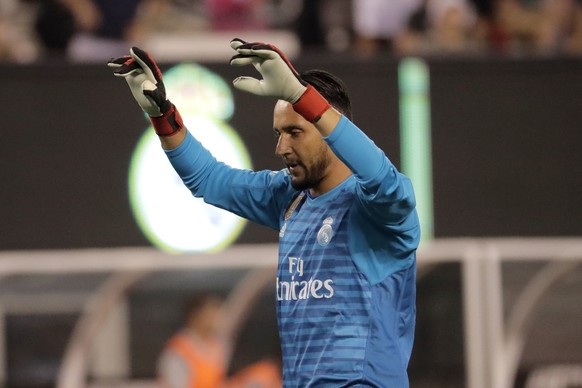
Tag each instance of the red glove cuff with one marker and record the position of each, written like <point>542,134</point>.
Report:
<point>311,105</point>
<point>169,123</point>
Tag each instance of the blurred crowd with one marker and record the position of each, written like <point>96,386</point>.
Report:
<point>449,27</point>
<point>82,30</point>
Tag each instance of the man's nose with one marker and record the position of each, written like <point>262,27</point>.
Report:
<point>283,146</point>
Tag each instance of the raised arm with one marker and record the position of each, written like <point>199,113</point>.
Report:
<point>282,81</point>
<point>144,78</point>
<point>257,196</point>
<point>385,194</point>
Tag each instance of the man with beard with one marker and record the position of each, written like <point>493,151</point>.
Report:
<point>348,228</point>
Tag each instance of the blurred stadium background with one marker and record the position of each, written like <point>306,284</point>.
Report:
<point>489,130</point>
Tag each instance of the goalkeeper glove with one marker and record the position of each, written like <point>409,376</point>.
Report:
<point>145,82</point>
<point>280,79</point>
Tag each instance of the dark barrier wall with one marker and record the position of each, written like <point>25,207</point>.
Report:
<point>506,147</point>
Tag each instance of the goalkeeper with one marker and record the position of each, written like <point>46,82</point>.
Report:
<point>348,228</point>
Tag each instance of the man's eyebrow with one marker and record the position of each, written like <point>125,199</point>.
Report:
<point>287,128</point>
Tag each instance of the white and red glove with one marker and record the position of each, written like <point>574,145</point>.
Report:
<point>280,79</point>
<point>145,82</point>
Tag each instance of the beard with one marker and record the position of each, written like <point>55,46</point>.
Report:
<point>314,175</point>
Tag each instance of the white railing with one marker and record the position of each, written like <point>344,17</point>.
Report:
<point>493,347</point>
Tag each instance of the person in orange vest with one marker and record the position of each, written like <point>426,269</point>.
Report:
<point>265,373</point>
<point>195,357</point>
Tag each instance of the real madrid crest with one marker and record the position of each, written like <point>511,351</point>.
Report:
<point>325,232</point>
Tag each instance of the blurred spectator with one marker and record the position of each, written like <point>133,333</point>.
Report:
<point>195,357</point>
<point>484,19</point>
<point>440,27</point>
<point>452,25</point>
<point>534,26</point>
<point>95,30</point>
<point>488,34</point>
<point>55,26</point>
<point>108,27</point>
<point>323,24</point>
<point>563,27</point>
<point>16,42</point>
<point>265,373</point>
<point>309,25</point>
<point>573,42</point>
<point>236,14</point>
<point>378,23</point>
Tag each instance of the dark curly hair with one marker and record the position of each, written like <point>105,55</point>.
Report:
<point>330,87</point>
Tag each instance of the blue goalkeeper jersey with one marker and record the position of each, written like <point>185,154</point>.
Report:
<point>347,260</point>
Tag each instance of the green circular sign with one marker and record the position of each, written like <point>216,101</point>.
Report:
<point>165,210</point>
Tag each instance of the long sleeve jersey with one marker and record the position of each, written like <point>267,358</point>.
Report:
<point>346,286</point>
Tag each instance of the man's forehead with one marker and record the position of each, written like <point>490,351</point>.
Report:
<point>285,116</point>
<point>283,106</point>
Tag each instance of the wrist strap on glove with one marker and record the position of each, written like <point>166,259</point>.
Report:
<point>169,123</point>
<point>311,105</point>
